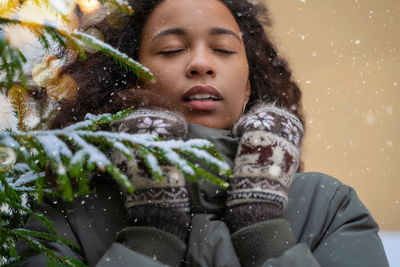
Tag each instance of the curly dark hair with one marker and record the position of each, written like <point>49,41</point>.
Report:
<point>100,80</point>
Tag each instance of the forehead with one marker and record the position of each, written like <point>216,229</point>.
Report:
<point>190,14</point>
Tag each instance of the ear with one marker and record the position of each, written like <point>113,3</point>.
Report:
<point>247,92</point>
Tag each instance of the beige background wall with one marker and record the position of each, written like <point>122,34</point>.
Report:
<point>345,55</point>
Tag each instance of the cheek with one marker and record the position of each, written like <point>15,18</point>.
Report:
<point>162,79</point>
<point>239,79</point>
<point>164,85</point>
<point>240,70</point>
<point>239,84</point>
<point>164,73</point>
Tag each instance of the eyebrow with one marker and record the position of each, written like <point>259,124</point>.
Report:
<point>218,31</point>
<point>180,31</point>
<point>172,31</point>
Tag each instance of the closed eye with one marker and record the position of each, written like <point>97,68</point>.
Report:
<point>171,52</point>
<point>224,51</point>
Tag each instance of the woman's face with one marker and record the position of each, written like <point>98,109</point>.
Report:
<point>197,55</point>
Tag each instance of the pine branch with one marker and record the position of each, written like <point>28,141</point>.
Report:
<point>27,180</point>
<point>13,215</point>
<point>19,101</point>
<point>78,150</point>
<point>73,153</point>
<point>11,61</point>
<point>124,61</point>
<point>7,8</point>
<point>44,42</point>
<point>29,237</point>
<point>61,15</point>
<point>78,41</point>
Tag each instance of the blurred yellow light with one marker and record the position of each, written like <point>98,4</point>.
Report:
<point>115,17</point>
<point>18,36</point>
<point>72,24</point>
<point>64,7</point>
<point>46,71</point>
<point>88,20</point>
<point>17,93</point>
<point>7,159</point>
<point>88,6</point>
<point>18,96</point>
<point>8,8</point>
<point>31,13</point>
<point>64,88</point>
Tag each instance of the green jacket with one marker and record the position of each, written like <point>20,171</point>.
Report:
<point>325,225</point>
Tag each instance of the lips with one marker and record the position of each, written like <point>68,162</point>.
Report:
<point>202,98</point>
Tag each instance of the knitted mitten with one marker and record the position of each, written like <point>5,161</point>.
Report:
<point>267,159</point>
<point>164,205</point>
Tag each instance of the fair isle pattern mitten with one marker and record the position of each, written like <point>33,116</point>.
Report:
<point>268,157</point>
<point>162,205</point>
<point>160,123</point>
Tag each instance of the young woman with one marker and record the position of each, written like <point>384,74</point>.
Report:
<point>221,80</point>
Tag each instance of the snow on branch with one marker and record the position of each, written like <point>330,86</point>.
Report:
<point>75,151</point>
<point>12,60</point>
<point>72,154</point>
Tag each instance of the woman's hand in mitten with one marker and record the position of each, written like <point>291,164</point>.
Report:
<point>268,157</point>
<point>164,205</point>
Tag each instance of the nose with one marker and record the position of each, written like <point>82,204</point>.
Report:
<point>201,64</point>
